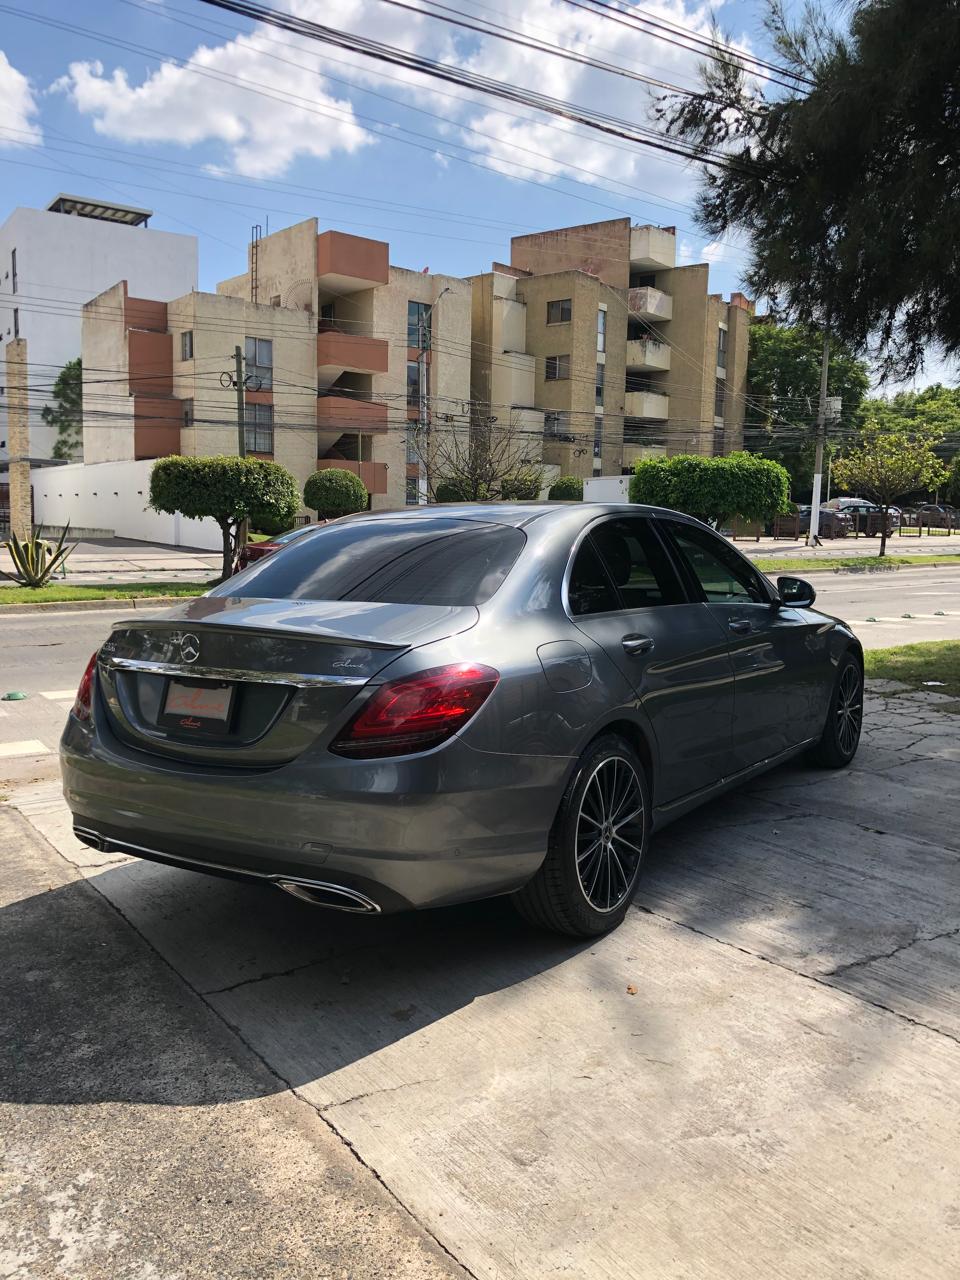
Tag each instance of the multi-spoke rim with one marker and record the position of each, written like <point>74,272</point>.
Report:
<point>849,710</point>
<point>610,827</point>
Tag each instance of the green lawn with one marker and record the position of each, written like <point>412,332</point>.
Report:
<point>915,663</point>
<point>823,564</point>
<point>17,597</point>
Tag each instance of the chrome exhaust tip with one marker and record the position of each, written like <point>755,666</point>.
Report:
<point>93,839</point>
<point>335,896</point>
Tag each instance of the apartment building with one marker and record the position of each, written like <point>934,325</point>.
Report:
<point>54,260</point>
<point>626,354</point>
<point>344,356</point>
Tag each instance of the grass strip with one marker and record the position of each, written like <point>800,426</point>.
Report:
<point>54,593</point>
<point>916,664</point>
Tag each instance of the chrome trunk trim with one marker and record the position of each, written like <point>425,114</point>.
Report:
<point>297,680</point>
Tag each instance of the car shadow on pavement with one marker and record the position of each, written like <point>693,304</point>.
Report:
<point>89,1014</point>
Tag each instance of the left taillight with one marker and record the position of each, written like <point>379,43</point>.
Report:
<point>418,712</point>
<point>81,706</point>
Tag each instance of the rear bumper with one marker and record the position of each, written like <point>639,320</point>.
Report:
<point>444,827</point>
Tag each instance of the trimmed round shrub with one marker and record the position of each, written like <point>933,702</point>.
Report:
<point>566,489</point>
<point>335,492</point>
<point>521,488</point>
<point>460,490</point>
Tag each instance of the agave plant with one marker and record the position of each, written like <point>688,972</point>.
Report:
<point>36,559</point>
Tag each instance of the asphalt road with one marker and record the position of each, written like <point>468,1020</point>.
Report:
<point>44,656</point>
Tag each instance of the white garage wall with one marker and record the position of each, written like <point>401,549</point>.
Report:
<point>113,496</point>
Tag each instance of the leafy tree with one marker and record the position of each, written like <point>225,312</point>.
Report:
<point>458,491</point>
<point>845,187</point>
<point>953,483</point>
<point>566,489</point>
<point>229,490</point>
<point>335,492</point>
<point>783,375</point>
<point>888,465</point>
<point>66,413</point>
<point>713,489</point>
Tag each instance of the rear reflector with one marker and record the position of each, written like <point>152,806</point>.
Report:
<point>81,707</point>
<point>418,712</point>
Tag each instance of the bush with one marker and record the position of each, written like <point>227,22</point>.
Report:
<point>713,489</point>
<point>261,523</point>
<point>523,487</point>
<point>335,492</point>
<point>566,489</point>
<point>228,490</point>
<point>460,490</point>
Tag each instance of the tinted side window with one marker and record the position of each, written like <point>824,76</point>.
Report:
<point>637,563</point>
<point>414,561</point>
<point>722,574</point>
<point>590,590</point>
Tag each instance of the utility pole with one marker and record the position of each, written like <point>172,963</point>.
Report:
<point>423,393</point>
<point>18,439</point>
<point>238,383</point>
<point>812,534</point>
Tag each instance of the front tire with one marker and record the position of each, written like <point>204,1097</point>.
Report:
<point>597,844</point>
<point>841,734</point>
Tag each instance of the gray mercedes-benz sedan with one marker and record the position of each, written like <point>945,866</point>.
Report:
<point>423,707</point>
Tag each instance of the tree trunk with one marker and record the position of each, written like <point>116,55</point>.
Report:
<point>226,568</point>
<point>884,517</point>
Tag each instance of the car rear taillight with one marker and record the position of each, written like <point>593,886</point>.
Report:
<point>418,712</point>
<point>81,707</point>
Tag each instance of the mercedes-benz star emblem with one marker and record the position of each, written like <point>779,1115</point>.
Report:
<point>189,648</point>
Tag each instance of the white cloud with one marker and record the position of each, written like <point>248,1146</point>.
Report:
<point>18,107</point>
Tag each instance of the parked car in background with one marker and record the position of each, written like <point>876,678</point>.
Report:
<point>254,551</point>
<point>832,523</point>
<point>865,515</point>
<point>428,706</point>
<point>935,515</point>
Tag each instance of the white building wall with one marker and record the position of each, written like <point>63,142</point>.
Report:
<point>63,262</point>
<point>113,496</point>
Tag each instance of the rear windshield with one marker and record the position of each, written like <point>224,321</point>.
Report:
<point>417,561</point>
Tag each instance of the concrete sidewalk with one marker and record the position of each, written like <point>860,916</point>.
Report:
<point>755,1076</point>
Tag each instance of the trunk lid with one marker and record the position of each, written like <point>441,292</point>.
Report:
<point>287,670</point>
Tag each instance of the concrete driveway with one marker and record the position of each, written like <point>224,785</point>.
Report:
<point>756,1076</point>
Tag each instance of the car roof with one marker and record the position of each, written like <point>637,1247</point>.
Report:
<point>517,514</point>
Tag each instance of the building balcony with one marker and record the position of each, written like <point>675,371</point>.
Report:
<point>348,353</point>
<point>372,474</point>
<point>348,264</point>
<point>648,354</point>
<point>646,404</point>
<point>647,303</point>
<point>350,414</point>
<point>652,249</point>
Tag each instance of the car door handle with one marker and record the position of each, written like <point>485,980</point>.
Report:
<point>635,645</point>
<point>740,625</point>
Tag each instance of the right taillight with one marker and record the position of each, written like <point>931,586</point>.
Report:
<point>418,712</point>
<point>81,707</point>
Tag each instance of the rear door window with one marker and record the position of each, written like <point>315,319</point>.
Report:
<point>637,563</point>
<point>414,561</point>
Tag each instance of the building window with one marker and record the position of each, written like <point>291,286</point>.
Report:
<point>275,300</point>
<point>721,349</point>
<point>556,423</point>
<point>413,384</point>
<point>259,363</point>
<point>598,388</point>
<point>556,368</point>
<point>258,428</point>
<point>16,322</point>
<point>188,413</point>
<point>186,345</point>
<point>597,441</point>
<point>560,311</point>
<point>602,329</point>
<point>419,324</point>
<point>13,271</point>
<point>719,398</point>
<point>413,491</point>
<point>413,453</point>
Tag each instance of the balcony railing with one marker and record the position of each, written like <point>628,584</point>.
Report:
<point>649,304</point>
<point>646,404</point>
<point>350,413</point>
<point>648,354</point>
<point>351,352</point>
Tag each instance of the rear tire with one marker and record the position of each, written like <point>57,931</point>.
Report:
<point>841,734</point>
<point>597,844</point>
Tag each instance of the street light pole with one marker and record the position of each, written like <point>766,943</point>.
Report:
<point>812,533</point>
<point>423,392</point>
<point>238,382</point>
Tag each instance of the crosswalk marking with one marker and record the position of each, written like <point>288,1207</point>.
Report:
<point>28,747</point>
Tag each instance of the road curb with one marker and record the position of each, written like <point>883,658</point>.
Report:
<point>69,606</point>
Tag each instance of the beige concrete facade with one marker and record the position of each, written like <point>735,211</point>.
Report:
<point>18,437</point>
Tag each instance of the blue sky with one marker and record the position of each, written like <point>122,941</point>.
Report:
<point>265,128</point>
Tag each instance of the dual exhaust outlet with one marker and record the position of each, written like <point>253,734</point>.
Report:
<point>319,893</point>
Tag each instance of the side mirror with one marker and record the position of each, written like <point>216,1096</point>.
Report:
<point>795,593</point>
